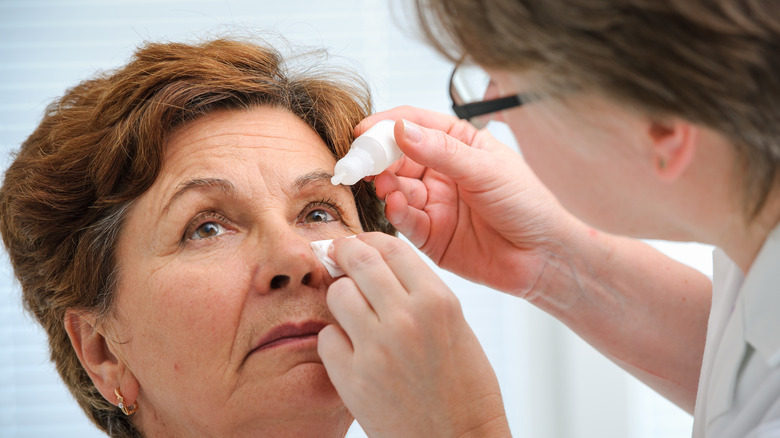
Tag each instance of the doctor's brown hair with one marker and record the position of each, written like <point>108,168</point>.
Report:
<point>711,62</point>
<point>98,148</point>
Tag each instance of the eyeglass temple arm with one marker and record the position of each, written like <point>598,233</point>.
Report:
<point>475,109</point>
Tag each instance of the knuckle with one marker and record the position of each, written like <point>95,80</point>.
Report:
<point>405,322</point>
<point>364,259</point>
<point>449,145</point>
<point>462,129</point>
<point>338,292</point>
<point>443,301</point>
<point>396,248</point>
<point>451,303</point>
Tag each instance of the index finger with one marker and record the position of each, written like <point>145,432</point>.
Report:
<point>366,267</point>
<point>453,126</point>
<point>410,270</point>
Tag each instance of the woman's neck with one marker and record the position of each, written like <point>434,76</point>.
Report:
<point>332,424</point>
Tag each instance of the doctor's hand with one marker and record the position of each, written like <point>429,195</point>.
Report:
<point>470,202</point>
<point>403,358</point>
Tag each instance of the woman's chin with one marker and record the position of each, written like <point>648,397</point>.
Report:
<point>313,380</point>
<point>301,386</point>
<point>299,401</point>
<point>313,398</point>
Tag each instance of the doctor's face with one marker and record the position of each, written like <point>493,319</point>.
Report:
<point>591,153</point>
<point>220,297</point>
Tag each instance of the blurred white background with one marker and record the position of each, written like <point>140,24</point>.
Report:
<point>554,385</point>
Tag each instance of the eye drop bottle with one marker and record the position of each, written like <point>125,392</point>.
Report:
<point>370,154</point>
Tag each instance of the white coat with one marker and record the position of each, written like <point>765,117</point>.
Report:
<point>739,387</point>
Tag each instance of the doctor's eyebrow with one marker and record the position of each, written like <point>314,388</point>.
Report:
<point>221,184</point>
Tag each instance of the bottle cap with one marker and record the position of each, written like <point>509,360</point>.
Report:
<point>355,166</point>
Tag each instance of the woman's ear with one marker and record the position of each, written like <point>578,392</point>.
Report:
<point>673,147</point>
<point>98,357</point>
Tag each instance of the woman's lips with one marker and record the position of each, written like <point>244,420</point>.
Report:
<point>289,333</point>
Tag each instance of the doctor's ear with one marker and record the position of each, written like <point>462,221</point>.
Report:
<point>673,147</point>
<point>98,355</point>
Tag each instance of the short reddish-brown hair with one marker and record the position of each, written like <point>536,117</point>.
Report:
<point>101,146</point>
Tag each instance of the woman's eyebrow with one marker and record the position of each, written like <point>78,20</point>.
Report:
<point>221,184</point>
<point>316,177</point>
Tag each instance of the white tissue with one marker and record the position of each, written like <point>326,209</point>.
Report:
<point>321,248</point>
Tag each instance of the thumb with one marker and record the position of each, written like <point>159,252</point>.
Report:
<point>435,149</point>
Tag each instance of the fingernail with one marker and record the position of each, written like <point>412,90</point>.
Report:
<point>412,132</point>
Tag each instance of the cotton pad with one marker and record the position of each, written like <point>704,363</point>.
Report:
<point>321,248</point>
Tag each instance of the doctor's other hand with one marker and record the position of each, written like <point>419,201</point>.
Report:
<point>403,358</point>
<point>470,202</point>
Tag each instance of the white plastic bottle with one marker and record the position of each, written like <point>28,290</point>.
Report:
<point>370,154</point>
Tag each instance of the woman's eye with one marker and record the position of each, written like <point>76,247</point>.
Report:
<point>318,215</point>
<point>206,230</point>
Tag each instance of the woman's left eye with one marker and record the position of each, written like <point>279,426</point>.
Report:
<point>206,225</point>
<point>207,230</point>
<point>318,215</point>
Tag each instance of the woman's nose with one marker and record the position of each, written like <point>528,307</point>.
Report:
<point>282,281</point>
<point>290,263</point>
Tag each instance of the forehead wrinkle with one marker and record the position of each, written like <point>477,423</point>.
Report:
<point>251,141</point>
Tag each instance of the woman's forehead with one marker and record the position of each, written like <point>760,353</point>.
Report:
<point>270,138</point>
<point>263,144</point>
<point>258,127</point>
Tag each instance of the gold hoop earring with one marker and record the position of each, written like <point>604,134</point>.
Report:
<point>120,402</point>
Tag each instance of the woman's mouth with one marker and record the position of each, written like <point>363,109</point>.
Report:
<point>290,334</point>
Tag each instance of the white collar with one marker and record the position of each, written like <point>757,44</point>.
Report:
<point>760,297</point>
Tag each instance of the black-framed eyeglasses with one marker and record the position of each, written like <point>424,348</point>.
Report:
<point>469,84</point>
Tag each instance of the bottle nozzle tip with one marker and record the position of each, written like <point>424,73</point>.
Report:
<point>337,179</point>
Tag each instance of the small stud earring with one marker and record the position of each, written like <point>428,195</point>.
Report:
<point>120,402</point>
<point>661,163</point>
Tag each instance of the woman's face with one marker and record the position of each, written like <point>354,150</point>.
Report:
<point>220,297</point>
